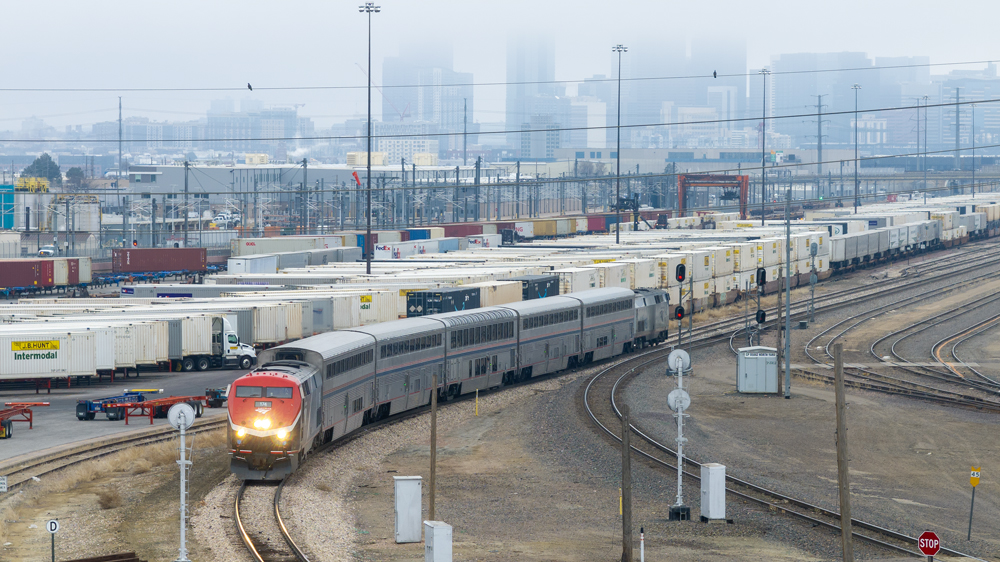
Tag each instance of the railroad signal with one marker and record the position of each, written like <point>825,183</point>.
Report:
<point>761,316</point>
<point>761,276</point>
<point>135,243</point>
<point>681,272</point>
<point>679,313</point>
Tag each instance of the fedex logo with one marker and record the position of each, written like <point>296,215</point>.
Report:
<point>250,243</point>
<point>377,247</point>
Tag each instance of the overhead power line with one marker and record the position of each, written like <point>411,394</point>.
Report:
<point>707,75</point>
<point>546,130</point>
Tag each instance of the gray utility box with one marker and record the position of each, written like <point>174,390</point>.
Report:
<point>757,370</point>
<point>437,547</point>
<point>408,506</point>
<point>713,491</point>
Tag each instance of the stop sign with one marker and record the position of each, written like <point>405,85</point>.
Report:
<point>928,543</point>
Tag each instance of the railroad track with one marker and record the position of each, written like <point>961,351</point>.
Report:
<point>868,379</point>
<point>601,405</point>
<point>961,338</point>
<point>20,474</point>
<point>273,544</point>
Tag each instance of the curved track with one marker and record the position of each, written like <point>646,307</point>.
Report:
<point>259,542</point>
<point>601,406</point>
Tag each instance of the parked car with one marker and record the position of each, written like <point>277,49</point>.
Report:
<point>47,251</point>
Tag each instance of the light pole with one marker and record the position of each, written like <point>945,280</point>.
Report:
<point>856,87</point>
<point>618,181</point>
<point>924,155</point>
<point>368,8</point>
<point>973,151</point>
<point>763,148</point>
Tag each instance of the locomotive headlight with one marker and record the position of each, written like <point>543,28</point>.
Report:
<point>242,432</point>
<point>262,423</point>
<point>282,434</point>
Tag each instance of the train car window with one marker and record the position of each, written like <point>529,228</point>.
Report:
<point>358,403</point>
<point>454,339</point>
<point>249,392</point>
<point>278,392</point>
<point>305,389</point>
<point>524,324</point>
<point>483,336</point>
<point>288,356</point>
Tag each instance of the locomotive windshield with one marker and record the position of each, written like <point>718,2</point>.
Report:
<point>249,392</point>
<point>263,392</point>
<point>279,392</point>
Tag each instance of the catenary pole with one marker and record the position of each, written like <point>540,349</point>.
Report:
<point>618,155</point>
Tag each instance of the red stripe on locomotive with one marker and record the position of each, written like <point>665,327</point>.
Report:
<point>272,401</point>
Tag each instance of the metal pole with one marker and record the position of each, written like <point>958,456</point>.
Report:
<point>691,315</point>
<point>763,148</point>
<point>434,411</point>
<point>680,437</point>
<point>186,210</point>
<point>971,507</point>
<point>118,181</point>
<point>973,164</point>
<point>465,131</point>
<point>618,154</point>
<point>626,489</point>
<point>368,8</point>
<point>856,87</point>
<point>925,151</point>
<point>843,476</point>
<point>183,462</point>
<point>788,295</point>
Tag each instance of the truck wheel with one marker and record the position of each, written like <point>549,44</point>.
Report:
<point>202,364</point>
<point>187,364</point>
<point>245,362</point>
<point>114,414</point>
<point>197,407</point>
<point>81,412</point>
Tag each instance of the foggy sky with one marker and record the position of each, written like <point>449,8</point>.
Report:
<point>223,43</point>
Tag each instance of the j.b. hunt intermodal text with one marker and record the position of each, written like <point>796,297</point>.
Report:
<point>31,356</point>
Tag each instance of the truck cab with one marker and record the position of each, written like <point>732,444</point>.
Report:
<point>227,349</point>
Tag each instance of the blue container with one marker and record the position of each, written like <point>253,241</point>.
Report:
<point>610,220</point>
<point>419,234</point>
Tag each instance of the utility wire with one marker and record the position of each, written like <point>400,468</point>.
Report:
<point>519,83</point>
<point>547,130</point>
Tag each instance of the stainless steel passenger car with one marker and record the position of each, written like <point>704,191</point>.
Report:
<point>651,317</point>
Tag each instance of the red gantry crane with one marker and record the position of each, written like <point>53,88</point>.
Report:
<point>733,187</point>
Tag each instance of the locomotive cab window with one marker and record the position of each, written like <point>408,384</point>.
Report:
<point>279,392</point>
<point>249,392</point>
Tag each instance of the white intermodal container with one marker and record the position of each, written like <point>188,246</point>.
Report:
<point>699,264</point>
<point>576,279</point>
<point>47,355</point>
<point>346,311</point>
<point>250,246</point>
<point>644,273</point>
<point>704,289</point>
<point>525,229</point>
<point>485,241</point>
<point>744,255</point>
<point>436,232</point>
<point>581,224</point>
<point>769,252</point>
<point>490,229</point>
<point>258,263</point>
<point>564,228</point>
<point>614,274</point>
<point>493,293</point>
<point>86,271</point>
<point>744,280</point>
<point>946,218</point>
<point>60,272</point>
<point>723,284</point>
<point>723,260</point>
<point>668,266</point>
<point>104,337</point>
<point>426,246</point>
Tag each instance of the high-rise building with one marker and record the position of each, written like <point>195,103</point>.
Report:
<point>420,85</point>
<point>532,94</point>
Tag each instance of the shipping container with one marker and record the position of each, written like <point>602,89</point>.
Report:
<point>723,260</point>
<point>73,271</point>
<point>47,355</point>
<point>525,229</point>
<point>462,230</point>
<point>103,337</point>
<point>700,264</point>
<point>538,286</point>
<point>613,274</point>
<point>422,303</point>
<point>744,255</point>
<point>493,293</point>
<point>258,263</point>
<point>142,260</point>
<point>490,229</point>
<point>289,260</point>
<point>770,252</point>
<point>485,241</point>
<point>563,227</point>
<point>60,272</point>
<point>86,271</point>
<point>576,279</point>
<point>249,246</point>
<point>644,273</point>
<point>419,234</point>
<point>26,273</point>
<point>596,223</point>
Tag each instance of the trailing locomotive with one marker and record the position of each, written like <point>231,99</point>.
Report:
<point>318,389</point>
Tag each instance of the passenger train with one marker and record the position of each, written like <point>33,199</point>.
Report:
<point>317,389</point>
